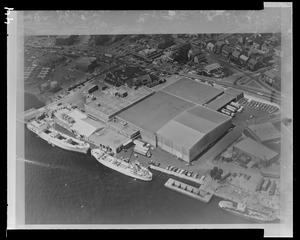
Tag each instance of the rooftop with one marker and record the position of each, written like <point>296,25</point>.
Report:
<point>256,149</point>
<point>220,102</point>
<point>110,104</point>
<point>233,92</point>
<point>228,49</point>
<point>192,125</point>
<point>155,111</point>
<point>108,137</point>
<point>192,91</point>
<point>212,66</point>
<point>266,131</point>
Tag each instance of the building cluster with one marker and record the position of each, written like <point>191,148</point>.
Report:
<point>65,40</point>
<point>132,77</point>
<point>246,50</point>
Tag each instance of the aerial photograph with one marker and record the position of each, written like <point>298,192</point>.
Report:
<point>152,128</point>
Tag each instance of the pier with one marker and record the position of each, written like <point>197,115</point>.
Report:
<point>189,190</point>
<point>196,180</point>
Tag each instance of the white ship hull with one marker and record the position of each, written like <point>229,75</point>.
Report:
<point>265,218</point>
<point>62,143</point>
<point>122,168</point>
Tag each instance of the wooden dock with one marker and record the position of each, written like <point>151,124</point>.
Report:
<point>189,190</point>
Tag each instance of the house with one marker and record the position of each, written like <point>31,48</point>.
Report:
<point>210,46</point>
<point>258,41</point>
<point>218,46</point>
<point>235,55</point>
<point>243,59</point>
<point>271,77</point>
<point>252,63</point>
<point>226,51</point>
<point>267,47</point>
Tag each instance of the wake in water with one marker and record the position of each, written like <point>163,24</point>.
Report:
<point>50,166</point>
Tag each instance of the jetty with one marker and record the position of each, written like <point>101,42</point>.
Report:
<point>189,190</point>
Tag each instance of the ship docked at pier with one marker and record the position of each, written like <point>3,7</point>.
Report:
<point>43,129</point>
<point>131,169</point>
<point>240,209</point>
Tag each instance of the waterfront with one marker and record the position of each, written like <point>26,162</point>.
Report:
<point>64,187</point>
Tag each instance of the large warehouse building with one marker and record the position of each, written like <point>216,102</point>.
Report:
<point>192,91</point>
<point>191,132</point>
<point>154,112</point>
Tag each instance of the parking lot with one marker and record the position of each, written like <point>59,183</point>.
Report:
<point>247,103</point>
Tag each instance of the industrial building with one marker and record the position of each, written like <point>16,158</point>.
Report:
<point>192,91</point>
<point>109,139</point>
<point>154,112</point>
<point>86,64</point>
<point>212,68</point>
<point>238,94</point>
<point>191,132</point>
<point>220,102</point>
<point>96,132</point>
<point>264,133</point>
<point>258,152</point>
<point>111,102</point>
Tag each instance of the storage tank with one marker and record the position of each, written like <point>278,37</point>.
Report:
<point>53,84</point>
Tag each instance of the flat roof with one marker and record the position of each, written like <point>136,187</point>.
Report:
<point>256,149</point>
<point>212,66</point>
<point>233,92</point>
<point>266,131</point>
<point>192,91</point>
<point>190,126</point>
<point>220,102</point>
<point>110,104</point>
<point>108,137</point>
<point>155,111</point>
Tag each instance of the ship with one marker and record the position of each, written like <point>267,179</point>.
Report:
<point>241,210</point>
<point>132,169</point>
<point>43,129</point>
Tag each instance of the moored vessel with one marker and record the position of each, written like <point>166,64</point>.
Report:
<point>240,209</point>
<point>132,169</point>
<point>56,138</point>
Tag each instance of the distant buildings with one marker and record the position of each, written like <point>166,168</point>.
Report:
<point>65,40</point>
<point>86,64</point>
<point>252,64</point>
<point>210,46</point>
<point>226,51</point>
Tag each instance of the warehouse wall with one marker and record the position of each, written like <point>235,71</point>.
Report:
<point>173,148</point>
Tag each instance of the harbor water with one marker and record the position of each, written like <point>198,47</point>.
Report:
<point>63,187</point>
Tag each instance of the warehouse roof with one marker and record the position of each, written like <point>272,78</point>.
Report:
<point>256,149</point>
<point>155,111</point>
<point>192,125</point>
<point>220,102</point>
<point>234,92</point>
<point>192,91</point>
<point>180,133</point>
<point>266,131</point>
